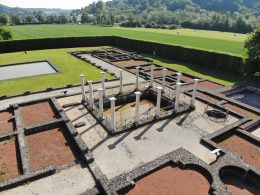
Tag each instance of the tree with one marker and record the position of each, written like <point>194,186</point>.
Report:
<point>100,5</point>
<point>16,19</point>
<point>74,19</point>
<point>85,18</point>
<point>64,19</point>
<point>5,34</point>
<point>53,19</point>
<point>3,19</point>
<point>29,19</point>
<point>40,17</point>
<point>252,44</point>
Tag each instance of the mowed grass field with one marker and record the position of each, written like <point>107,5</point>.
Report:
<point>69,66</point>
<point>222,42</point>
<point>72,67</point>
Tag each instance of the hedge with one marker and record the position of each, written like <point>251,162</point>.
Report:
<point>189,55</point>
<point>183,54</point>
<point>53,43</point>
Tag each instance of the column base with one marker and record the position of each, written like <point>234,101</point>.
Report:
<point>192,107</point>
<point>102,118</point>
<point>157,116</point>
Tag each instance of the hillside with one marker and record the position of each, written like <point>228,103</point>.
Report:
<point>23,11</point>
<point>223,15</point>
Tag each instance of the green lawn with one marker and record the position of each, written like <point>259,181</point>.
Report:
<point>222,77</point>
<point>72,67</point>
<point>69,66</point>
<point>204,40</point>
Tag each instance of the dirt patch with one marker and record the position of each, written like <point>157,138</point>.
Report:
<point>208,98</point>
<point>50,147</point>
<point>236,186</point>
<point>8,160</point>
<point>209,85</point>
<point>158,73</point>
<point>6,127</point>
<point>248,151</point>
<point>5,116</point>
<point>6,123</point>
<point>37,113</point>
<point>146,68</point>
<point>242,111</point>
<point>130,63</point>
<point>186,78</point>
<point>171,180</point>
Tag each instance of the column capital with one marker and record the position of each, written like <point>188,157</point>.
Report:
<point>196,80</point>
<point>137,67</point>
<point>159,88</point>
<point>100,89</point>
<point>82,75</point>
<point>164,69</point>
<point>178,83</point>
<point>138,93</point>
<point>90,82</point>
<point>112,99</point>
<point>102,72</point>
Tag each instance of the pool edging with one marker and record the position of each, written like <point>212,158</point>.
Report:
<point>32,62</point>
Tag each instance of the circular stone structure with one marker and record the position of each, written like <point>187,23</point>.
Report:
<point>171,180</point>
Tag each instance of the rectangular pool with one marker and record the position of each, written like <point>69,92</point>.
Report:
<point>14,71</point>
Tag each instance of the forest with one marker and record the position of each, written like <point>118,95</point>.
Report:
<point>240,16</point>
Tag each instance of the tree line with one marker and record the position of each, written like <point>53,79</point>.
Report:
<point>225,15</point>
<point>35,18</point>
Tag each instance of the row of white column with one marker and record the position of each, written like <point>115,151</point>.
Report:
<point>137,93</point>
<point>103,81</point>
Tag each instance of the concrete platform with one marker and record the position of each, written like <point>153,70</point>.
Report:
<point>115,155</point>
<point>73,180</point>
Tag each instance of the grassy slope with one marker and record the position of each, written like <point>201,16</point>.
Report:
<point>70,66</point>
<point>205,40</point>
<point>222,77</point>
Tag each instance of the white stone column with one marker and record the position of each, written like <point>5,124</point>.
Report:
<point>137,78</point>
<point>158,104</point>
<point>113,112</point>
<point>82,80</point>
<point>164,76</point>
<point>121,81</point>
<point>152,76</point>
<point>195,88</point>
<point>137,105</point>
<point>90,93</point>
<point>103,78</point>
<point>177,96</point>
<point>178,77</point>
<point>101,110</point>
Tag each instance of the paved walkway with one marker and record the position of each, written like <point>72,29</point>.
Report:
<point>116,155</point>
<point>128,77</point>
<point>73,180</point>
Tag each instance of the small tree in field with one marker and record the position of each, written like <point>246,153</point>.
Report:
<point>5,35</point>
<point>252,45</point>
